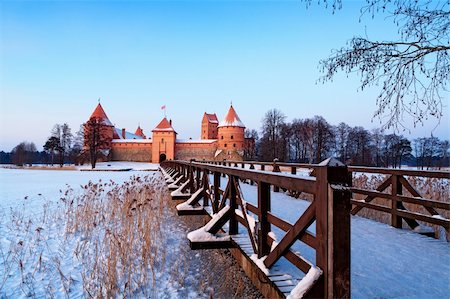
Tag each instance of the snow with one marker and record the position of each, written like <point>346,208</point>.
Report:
<point>437,216</point>
<point>331,162</point>
<point>251,220</point>
<point>121,165</point>
<point>234,123</point>
<point>128,135</point>
<point>178,191</point>
<point>187,204</point>
<point>205,141</point>
<point>260,263</point>
<point>132,141</point>
<point>201,235</point>
<point>306,283</point>
<point>216,217</point>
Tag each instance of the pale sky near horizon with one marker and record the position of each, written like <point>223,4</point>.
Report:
<point>58,57</point>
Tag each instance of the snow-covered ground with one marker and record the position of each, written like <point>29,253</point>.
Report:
<point>385,262</point>
<point>39,258</point>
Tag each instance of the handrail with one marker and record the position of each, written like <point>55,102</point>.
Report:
<point>367,169</point>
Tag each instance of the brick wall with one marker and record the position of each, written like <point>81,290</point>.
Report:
<point>194,151</point>
<point>131,152</point>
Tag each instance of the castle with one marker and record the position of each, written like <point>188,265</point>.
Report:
<point>219,140</point>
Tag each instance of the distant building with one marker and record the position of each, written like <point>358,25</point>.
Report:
<point>219,140</point>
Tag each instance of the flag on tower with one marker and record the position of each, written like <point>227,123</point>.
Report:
<point>163,107</point>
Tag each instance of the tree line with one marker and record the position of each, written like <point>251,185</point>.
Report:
<point>61,147</point>
<point>312,140</point>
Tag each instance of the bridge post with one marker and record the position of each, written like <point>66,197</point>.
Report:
<point>197,178</point>
<point>233,205</point>
<point>205,187</point>
<point>332,230</point>
<point>276,168</point>
<point>263,209</point>
<point>216,191</point>
<point>396,221</point>
<point>190,174</point>
<point>293,170</point>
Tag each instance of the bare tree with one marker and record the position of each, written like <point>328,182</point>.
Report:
<point>413,70</point>
<point>97,138</point>
<point>323,138</point>
<point>271,145</point>
<point>63,135</point>
<point>23,153</point>
<point>250,149</point>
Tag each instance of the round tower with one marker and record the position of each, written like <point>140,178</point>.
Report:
<point>231,135</point>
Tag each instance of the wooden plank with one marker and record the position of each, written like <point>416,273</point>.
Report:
<point>386,183</point>
<point>396,220</point>
<point>287,181</point>
<point>433,220</point>
<point>307,237</point>
<point>407,172</point>
<point>413,192</point>
<point>339,254</point>
<point>419,201</point>
<point>220,222</point>
<point>291,236</point>
<point>368,205</point>
<point>262,212</point>
<point>233,224</point>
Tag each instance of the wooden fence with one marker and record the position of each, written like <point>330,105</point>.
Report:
<point>392,189</point>
<point>330,210</point>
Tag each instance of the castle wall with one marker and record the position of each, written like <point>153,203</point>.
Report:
<point>131,151</point>
<point>197,151</point>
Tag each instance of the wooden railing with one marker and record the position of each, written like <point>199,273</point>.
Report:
<point>330,210</point>
<point>395,179</point>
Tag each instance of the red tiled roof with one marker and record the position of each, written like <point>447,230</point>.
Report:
<point>100,114</point>
<point>212,118</point>
<point>139,132</point>
<point>231,119</point>
<point>164,125</point>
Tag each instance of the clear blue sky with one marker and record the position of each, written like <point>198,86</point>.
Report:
<point>58,57</point>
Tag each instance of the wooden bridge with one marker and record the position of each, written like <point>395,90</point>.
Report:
<point>324,226</point>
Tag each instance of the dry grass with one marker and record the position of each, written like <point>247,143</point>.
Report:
<point>430,188</point>
<point>114,231</point>
<point>126,249</point>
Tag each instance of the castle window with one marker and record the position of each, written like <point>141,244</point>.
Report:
<point>225,145</point>
<point>231,136</point>
<point>162,140</point>
<point>204,131</point>
<point>221,137</point>
<point>234,144</point>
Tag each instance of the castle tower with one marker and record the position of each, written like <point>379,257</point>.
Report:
<point>209,126</point>
<point>163,144</point>
<point>106,128</point>
<point>231,135</point>
<point>140,132</point>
